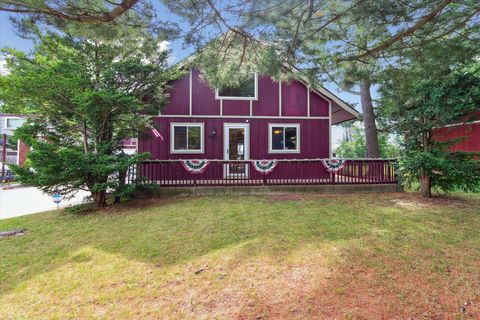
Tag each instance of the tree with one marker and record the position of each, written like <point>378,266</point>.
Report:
<point>353,144</point>
<point>60,14</point>
<point>86,91</point>
<point>350,41</point>
<point>87,11</point>
<point>417,100</point>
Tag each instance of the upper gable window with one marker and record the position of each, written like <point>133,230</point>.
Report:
<point>246,90</point>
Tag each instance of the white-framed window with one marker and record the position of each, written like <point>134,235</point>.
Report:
<point>246,90</point>
<point>284,138</point>
<point>187,137</point>
<point>13,122</point>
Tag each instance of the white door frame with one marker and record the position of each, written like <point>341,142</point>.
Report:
<point>226,145</point>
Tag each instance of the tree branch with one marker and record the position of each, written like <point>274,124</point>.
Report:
<point>420,23</point>
<point>102,17</point>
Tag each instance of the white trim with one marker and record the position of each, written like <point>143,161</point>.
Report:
<point>239,117</point>
<point>221,107</point>
<point>187,124</point>
<point>18,152</point>
<point>280,98</point>
<point>308,101</point>
<point>324,92</point>
<point>190,106</point>
<point>226,144</point>
<point>136,147</point>
<point>340,102</point>
<point>318,90</point>
<point>251,106</point>
<point>255,97</point>
<point>460,124</point>
<point>284,125</point>
<point>5,125</point>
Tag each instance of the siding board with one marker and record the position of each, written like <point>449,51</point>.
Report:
<point>294,99</point>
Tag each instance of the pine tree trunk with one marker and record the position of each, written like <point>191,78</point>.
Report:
<point>425,186</point>
<point>122,175</point>
<point>371,132</point>
<point>100,199</point>
<point>425,179</point>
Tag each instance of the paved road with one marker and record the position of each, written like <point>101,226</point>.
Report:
<point>28,200</point>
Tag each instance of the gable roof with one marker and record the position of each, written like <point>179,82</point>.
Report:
<point>341,110</point>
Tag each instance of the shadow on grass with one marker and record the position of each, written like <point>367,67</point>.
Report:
<point>183,229</point>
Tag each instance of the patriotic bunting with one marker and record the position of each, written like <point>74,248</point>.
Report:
<point>195,166</point>
<point>334,165</point>
<point>264,166</point>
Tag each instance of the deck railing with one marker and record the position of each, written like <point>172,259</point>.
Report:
<point>172,173</point>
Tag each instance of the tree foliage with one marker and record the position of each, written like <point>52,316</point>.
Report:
<point>86,91</point>
<point>419,99</point>
<point>346,42</point>
<point>353,144</point>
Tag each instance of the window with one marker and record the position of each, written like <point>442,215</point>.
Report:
<point>186,138</point>
<point>13,123</point>
<point>284,138</point>
<point>246,90</point>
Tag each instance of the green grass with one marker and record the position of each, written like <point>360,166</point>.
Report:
<point>352,257</point>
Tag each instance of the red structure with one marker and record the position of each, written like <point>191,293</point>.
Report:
<point>277,121</point>
<point>8,154</point>
<point>468,135</point>
<point>285,125</point>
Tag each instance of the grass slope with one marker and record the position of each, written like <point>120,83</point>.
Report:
<point>393,256</point>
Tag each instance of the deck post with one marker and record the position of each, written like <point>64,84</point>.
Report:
<point>332,177</point>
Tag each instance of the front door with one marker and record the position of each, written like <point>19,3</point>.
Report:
<point>236,146</point>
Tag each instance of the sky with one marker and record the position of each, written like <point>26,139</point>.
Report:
<point>9,38</point>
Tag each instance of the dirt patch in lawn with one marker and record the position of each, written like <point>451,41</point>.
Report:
<point>362,293</point>
<point>413,201</point>
<point>252,289</point>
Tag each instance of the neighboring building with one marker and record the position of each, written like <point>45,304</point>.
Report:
<point>130,145</point>
<point>468,135</point>
<point>261,119</point>
<point>16,153</point>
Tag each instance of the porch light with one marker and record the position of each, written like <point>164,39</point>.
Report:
<point>214,132</point>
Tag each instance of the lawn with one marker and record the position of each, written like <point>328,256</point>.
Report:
<point>391,256</point>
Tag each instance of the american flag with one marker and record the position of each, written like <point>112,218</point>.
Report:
<point>157,134</point>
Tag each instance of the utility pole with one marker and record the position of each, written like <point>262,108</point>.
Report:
<point>4,154</point>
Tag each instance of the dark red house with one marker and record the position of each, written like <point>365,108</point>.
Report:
<point>468,135</point>
<point>262,132</point>
<point>262,119</point>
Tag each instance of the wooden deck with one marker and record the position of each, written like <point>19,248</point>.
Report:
<point>170,173</point>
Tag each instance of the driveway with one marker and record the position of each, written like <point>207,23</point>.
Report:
<point>28,200</point>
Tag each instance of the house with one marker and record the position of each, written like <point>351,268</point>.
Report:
<point>260,119</point>
<point>467,134</point>
<point>12,152</point>
<point>261,124</point>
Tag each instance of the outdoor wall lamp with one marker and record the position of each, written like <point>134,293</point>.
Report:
<point>214,132</point>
